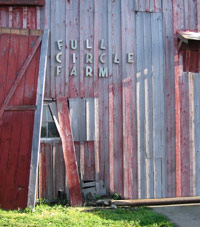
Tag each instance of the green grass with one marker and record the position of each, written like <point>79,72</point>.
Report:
<point>57,215</point>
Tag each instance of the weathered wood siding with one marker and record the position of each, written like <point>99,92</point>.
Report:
<point>144,143</point>
<point>130,151</point>
<point>187,17</point>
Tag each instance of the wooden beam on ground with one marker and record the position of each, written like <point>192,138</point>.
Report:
<point>165,201</point>
<point>69,152</point>
<point>23,2</point>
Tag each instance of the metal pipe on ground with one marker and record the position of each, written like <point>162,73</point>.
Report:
<point>165,201</point>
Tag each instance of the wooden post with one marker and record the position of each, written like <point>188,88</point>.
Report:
<point>38,121</point>
<point>69,152</point>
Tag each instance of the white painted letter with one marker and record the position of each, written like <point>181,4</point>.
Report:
<point>88,45</point>
<point>88,71</point>
<point>73,71</point>
<point>74,58</point>
<point>130,57</point>
<point>60,44</point>
<point>74,44</point>
<point>102,47</point>
<point>89,58</point>
<point>116,59</point>
<point>58,70</point>
<point>58,57</point>
<point>101,58</point>
<point>103,72</point>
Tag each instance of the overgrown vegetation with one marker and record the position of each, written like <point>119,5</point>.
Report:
<point>58,215</point>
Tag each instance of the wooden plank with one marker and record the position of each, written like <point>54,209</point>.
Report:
<point>59,26</point>
<point>78,118</point>
<point>192,15</point>
<point>198,16</point>
<point>24,159</point>
<point>184,135</point>
<point>147,69</point>
<point>20,108</point>
<point>157,62</point>
<point>12,151</point>
<point>49,171</point>
<point>158,100</point>
<point>129,102</point>
<point>73,23</point>
<point>69,152</point>
<point>89,162</point>
<point>196,158</point>
<point>23,131</point>
<point>20,31</point>
<point>140,105</point>
<point>5,128</point>
<point>74,118</point>
<point>37,17</point>
<point>59,168</point>
<point>19,77</point>
<point>46,19</point>
<point>24,17</point>
<point>54,113</point>
<point>37,121</point>
<point>116,113</point>
<point>192,132</point>
<point>23,2</point>
<point>98,15</point>
<point>52,49</point>
<point>31,18</point>
<point>141,5</point>
<point>104,33</point>
<point>157,178</point>
<point>90,126</point>
<point>169,99</point>
<point>96,144</point>
<point>81,51</point>
<point>178,24</point>
<point>135,5</point>
<point>157,5</point>
<point>82,120</point>
<point>4,18</point>
<point>17,17</point>
<point>42,172</point>
<point>88,34</point>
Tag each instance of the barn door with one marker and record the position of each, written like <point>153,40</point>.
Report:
<point>21,94</point>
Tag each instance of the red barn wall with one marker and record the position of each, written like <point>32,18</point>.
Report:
<point>187,18</point>
<point>141,146</point>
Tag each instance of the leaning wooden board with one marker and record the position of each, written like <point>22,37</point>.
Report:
<point>20,56</point>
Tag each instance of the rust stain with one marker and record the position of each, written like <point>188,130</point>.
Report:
<point>68,1</point>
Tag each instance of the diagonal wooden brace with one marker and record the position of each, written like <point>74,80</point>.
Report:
<point>20,76</point>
